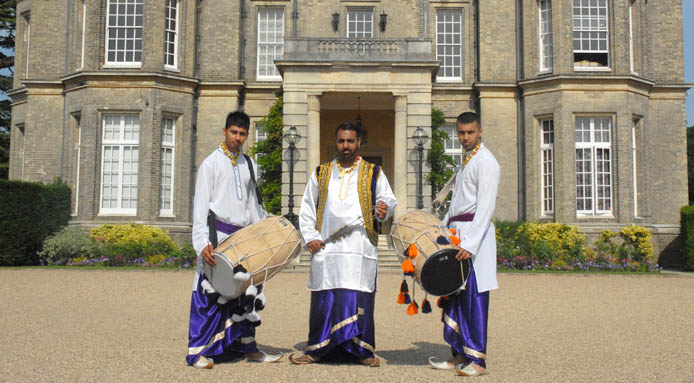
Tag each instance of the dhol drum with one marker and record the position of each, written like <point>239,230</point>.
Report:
<point>262,250</point>
<point>436,269</point>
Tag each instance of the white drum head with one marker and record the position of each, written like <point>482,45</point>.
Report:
<point>221,276</point>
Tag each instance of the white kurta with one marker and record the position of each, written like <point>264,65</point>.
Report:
<point>350,262</point>
<point>217,189</point>
<point>475,192</point>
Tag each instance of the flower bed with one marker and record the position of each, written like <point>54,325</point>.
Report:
<point>555,246</point>
<point>116,245</point>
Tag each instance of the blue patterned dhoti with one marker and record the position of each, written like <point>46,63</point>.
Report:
<point>343,318</point>
<point>464,320</point>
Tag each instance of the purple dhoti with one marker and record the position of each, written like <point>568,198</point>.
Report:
<point>212,332</point>
<point>341,318</point>
<point>464,320</point>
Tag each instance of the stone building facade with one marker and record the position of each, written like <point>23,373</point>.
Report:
<point>582,101</point>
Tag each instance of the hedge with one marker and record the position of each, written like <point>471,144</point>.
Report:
<point>688,237</point>
<point>29,213</point>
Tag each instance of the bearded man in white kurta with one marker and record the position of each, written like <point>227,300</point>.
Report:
<point>225,200</point>
<point>337,223</point>
<point>471,210</point>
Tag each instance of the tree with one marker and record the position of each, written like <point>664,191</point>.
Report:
<point>440,164</point>
<point>269,153</point>
<point>690,162</point>
<point>7,34</point>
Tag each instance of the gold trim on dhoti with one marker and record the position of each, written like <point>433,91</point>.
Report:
<point>476,354</point>
<point>219,336</point>
<point>363,344</point>
<point>319,345</point>
<point>451,323</point>
<point>336,327</point>
<point>456,327</point>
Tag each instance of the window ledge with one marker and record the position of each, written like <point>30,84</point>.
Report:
<point>269,79</point>
<point>592,69</point>
<point>122,65</point>
<point>448,79</point>
<point>591,216</point>
<point>167,215</point>
<point>171,69</point>
<point>116,214</point>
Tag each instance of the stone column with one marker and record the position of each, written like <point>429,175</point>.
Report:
<point>313,132</point>
<point>399,183</point>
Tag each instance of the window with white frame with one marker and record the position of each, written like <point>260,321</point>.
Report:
<point>360,23</point>
<point>547,160</point>
<point>83,17</point>
<point>168,143</point>
<point>545,43</point>
<point>171,35</point>
<point>634,126</point>
<point>119,164</point>
<point>451,146</point>
<point>77,142</point>
<point>270,42</point>
<point>590,34</point>
<point>27,41</point>
<point>260,135</point>
<point>124,33</point>
<point>18,146</point>
<point>449,47</point>
<point>593,165</point>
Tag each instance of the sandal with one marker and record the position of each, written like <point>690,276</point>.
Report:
<point>302,359</point>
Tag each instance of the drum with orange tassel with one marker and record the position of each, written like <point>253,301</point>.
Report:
<point>427,249</point>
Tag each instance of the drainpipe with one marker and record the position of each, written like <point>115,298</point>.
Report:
<point>242,39</point>
<point>520,112</point>
<point>477,57</point>
<point>67,53</point>
<point>425,21</point>
<point>196,96</point>
<point>295,17</point>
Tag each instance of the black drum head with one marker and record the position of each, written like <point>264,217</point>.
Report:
<point>442,274</point>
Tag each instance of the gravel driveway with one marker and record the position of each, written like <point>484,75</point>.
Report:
<point>102,326</point>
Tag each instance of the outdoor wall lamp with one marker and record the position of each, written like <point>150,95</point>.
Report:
<point>383,22</point>
<point>336,21</point>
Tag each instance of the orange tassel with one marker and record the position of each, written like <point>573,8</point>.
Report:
<point>407,266</point>
<point>412,252</point>
<point>455,240</point>
<point>401,298</point>
<point>439,302</point>
<point>412,308</point>
<point>453,231</point>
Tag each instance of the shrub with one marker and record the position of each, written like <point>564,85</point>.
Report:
<point>67,244</point>
<point>30,212</point>
<point>631,245</point>
<point>688,236</point>
<point>548,242</point>
<point>125,243</point>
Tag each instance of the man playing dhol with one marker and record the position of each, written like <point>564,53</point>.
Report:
<point>472,207</point>
<point>337,223</point>
<point>225,200</point>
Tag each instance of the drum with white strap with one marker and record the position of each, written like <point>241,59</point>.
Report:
<point>253,255</point>
<point>436,269</point>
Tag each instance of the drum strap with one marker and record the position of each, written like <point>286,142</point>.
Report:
<point>255,183</point>
<point>212,227</point>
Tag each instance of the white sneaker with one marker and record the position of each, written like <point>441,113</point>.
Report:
<point>440,365</point>
<point>469,370</point>
<point>266,358</point>
<point>203,362</point>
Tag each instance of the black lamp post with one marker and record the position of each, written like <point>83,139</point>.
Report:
<point>335,21</point>
<point>420,137</point>
<point>292,137</point>
<point>384,20</point>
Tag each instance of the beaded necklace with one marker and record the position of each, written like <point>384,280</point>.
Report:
<point>472,154</point>
<point>343,173</point>
<point>234,157</point>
